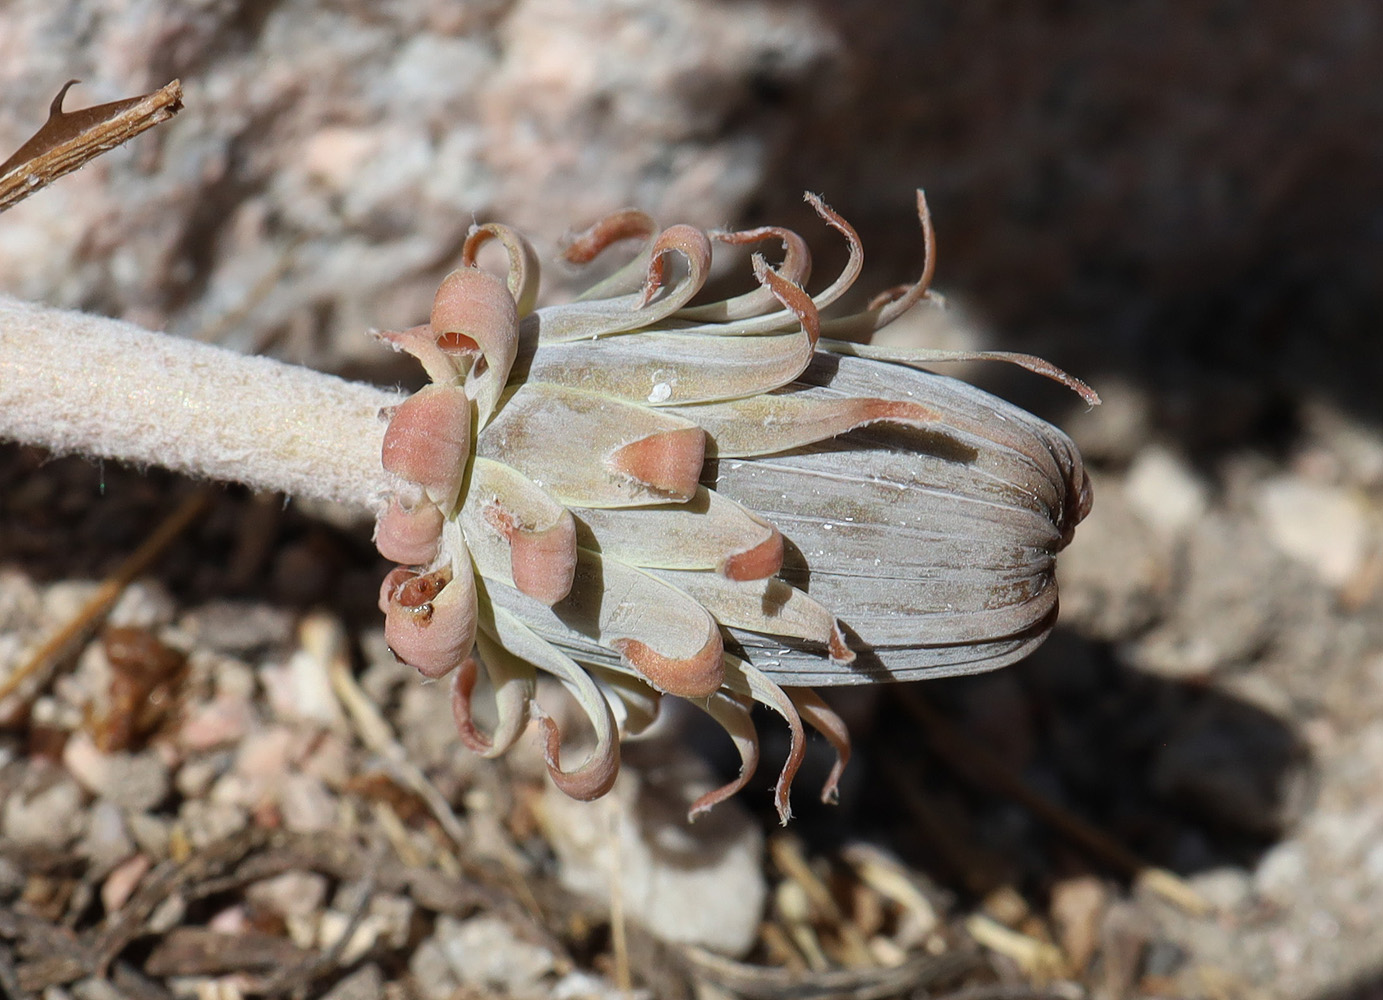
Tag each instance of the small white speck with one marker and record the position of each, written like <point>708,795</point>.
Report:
<point>660,393</point>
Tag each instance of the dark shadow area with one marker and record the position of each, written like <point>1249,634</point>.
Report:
<point>1183,775</point>
<point>73,518</point>
<point>1368,987</point>
<point>1187,194</point>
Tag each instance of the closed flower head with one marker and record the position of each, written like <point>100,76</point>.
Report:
<point>731,502</point>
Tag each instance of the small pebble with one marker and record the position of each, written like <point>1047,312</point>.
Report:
<point>699,883</point>
<point>1322,526</point>
<point>207,822</point>
<point>292,894</point>
<point>306,805</point>
<point>64,600</point>
<point>231,920</point>
<point>264,757</point>
<point>107,841</point>
<point>223,721</point>
<point>95,988</point>
<point>1116,573</point>
<point>150,833</point>
<point>333,925</point>
<point>238,628</point>
<point>1225,889</point>
<point>194,779</point>
<point>1077,908</point>
<point>1165,491</point>
<point>134,781</point>
<point>431,971</point>
<point>578,985</point>
<point>20,603</point>
<point>330,759</point>
<point>12,879</point>
<point>52,817</point>
<point>121,883</point>
<point>484,952</point>
<point>1163,958</point>
<point>365,983</point>
<point>1281,872</point>
<point>394,916</point>
<point>143,604</point>
<point>167,915</point>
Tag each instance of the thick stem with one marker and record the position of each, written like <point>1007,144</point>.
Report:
<point>71,382</point>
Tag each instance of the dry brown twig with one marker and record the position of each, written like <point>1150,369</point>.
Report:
<point>69,139</point>
<point>90,615</point>
<point>919,972</point>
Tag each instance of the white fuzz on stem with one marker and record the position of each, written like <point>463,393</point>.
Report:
<point>71,382</point>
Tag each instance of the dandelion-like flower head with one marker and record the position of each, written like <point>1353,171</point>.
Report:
<point>641,497</point>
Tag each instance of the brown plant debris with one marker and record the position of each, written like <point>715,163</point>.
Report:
<point>72,633</point>
<point>69,139</point>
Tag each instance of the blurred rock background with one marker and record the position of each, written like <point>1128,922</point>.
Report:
<point>1182,201</point>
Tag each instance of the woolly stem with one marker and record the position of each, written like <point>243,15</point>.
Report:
<point>71,382</point>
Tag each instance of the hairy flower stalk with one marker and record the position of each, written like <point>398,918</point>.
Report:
<point>641,497</point>
<point>73,382</point>
<point>633,494</point>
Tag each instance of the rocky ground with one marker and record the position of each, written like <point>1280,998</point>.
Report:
<point>1179,795</point>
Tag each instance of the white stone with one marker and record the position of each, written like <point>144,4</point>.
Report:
<point>292,894</point>
<point>133,781</point>
<point>107,841</point>
<point>143,604</point>
<point>431,971</point>
<point>306,805</point>
<point>1226,889</point>
<point>698,883</point>
<point>50,817</point>
<point>1282,873</point>
<point>579,985</point>
<point>484,952</point>
<point>1165,491</point>
<point>1325,527</point>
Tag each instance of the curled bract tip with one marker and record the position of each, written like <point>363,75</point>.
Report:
<point>542,560</point>
<point>593,778</point>
<point>624,225</point>
<point>412,536</point>
<point>667,462</point>
<point>696,676</point>
<point>759,562</point>
<point>522,279</point>
<point>732,713</point>
<point>428,441</point>
<point>429,618</point>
